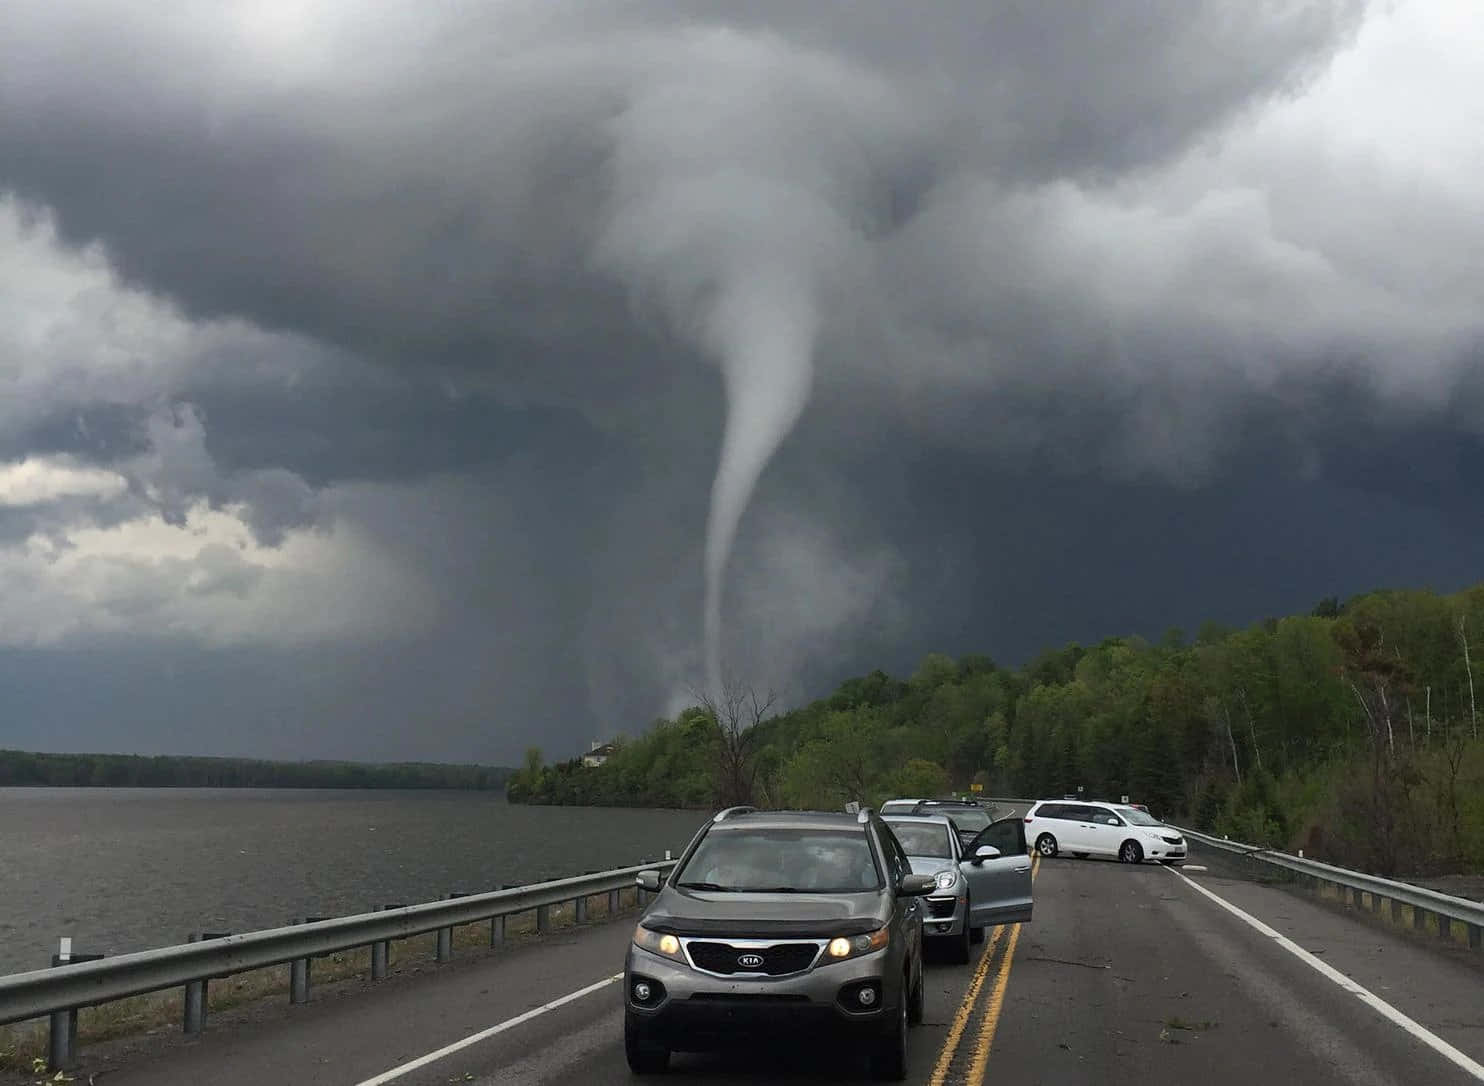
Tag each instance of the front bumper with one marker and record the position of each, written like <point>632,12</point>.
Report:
<point>691,1011</point>
<point>944,915</point>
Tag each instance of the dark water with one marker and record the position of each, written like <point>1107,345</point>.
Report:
<point>122,869</point>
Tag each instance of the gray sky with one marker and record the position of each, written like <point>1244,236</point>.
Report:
<point>366,375</point>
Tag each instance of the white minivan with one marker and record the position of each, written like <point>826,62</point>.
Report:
<point>1101,829</point>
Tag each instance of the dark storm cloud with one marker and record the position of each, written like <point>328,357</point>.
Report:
<point>511,276</point>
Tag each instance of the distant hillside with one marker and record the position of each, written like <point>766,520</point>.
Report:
<point>169,771</point>
<point>1353,731</point>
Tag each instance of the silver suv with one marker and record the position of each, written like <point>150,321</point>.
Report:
<point>779,923</point>
<point>985,883</point>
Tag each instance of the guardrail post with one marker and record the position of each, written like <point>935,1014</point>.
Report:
<point>543,919</point>
<point>445,935</point>
<point>614,902</point>
<point>1445,927</point>
<point>1396,911</point>
<point>195,998</point>
<point>299,978</point>
<point>1419,918</point>
<point>1476,937</point>
<point>579,911</point>
<point>379,953</point>
<point>61,1048</point>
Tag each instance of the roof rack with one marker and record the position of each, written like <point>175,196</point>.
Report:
<point>731,812</point>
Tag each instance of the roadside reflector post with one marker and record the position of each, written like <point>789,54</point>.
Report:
<point>194,1016</point>
<point>62,1043</point>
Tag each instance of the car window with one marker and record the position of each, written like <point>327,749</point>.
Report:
<point>972,819</point>
<point>1051,810</point>
<point>923,839</point>
<point>896,858</point>
<point>782,860</point>
<point>1007,835</point>
<point>1104,817</point>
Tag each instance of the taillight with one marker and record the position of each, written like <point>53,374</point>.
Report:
<point>1028,818</point>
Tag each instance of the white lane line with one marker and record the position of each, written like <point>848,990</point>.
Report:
<point>1416,1029</point>
<point>482,1035</point>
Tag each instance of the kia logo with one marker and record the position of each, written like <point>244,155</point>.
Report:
<point>750,961</point>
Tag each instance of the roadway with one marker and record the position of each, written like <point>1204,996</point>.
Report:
<point>1126,975</point>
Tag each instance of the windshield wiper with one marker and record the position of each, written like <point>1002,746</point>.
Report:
<point>712,886</point>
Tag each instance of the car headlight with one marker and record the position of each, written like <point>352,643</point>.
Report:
<point>946,879</point>
<point>666,946</point>
<point>853,946</point>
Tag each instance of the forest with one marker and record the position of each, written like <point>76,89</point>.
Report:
<point>1352,732</point>
<point>140,771</point>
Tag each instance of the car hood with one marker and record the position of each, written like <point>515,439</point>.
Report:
<point>697,912</point>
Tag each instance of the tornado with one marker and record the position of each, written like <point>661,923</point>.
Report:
<point>763,332</point>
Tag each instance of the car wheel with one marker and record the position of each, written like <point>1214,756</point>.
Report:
<point>918,1003</point>
<point>644,1056</point>
<point>1131,853</point>
<point>1046,845</point>
<point>958,945</point>
<point>889,1061</point>
<point>976,935</point>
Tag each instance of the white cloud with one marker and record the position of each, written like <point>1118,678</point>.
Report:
<point>40,480</point>
<point>208,580</point>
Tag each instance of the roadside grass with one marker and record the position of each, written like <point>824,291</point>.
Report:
<point>22,1043</point>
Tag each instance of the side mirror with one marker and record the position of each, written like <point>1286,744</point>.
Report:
<point>985,852</point>
<point>916,885</point>
<point>649,880</point>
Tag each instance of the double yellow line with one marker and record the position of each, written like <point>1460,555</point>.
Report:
<point>984,1041</point>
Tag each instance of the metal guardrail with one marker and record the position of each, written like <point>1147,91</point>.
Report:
<point>1447,908</point>
<point>59,991</point>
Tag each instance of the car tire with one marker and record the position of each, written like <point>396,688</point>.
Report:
<point>958,945</point>
<point>644,1056</point>
<point>917,1005</point>
<point>889,1060</point>
<point>1130,852</point>
<point>1046,845</point>
<point>976,935</point>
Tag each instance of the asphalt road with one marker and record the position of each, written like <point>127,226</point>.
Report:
<point>1126,975</point>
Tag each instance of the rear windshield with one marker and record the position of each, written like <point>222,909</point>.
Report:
<point>923,839</point>
<point>782,860</point>
<point>972,819</point>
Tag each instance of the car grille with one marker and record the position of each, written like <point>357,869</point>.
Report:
<point>941,906</point>
<point>1173,840</point>
<point>777,960</point>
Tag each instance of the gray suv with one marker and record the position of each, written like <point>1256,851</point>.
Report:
<point>773,923</point>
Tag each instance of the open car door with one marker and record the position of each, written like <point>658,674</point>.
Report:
<point>999,885</point>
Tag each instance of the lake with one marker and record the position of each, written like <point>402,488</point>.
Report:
<point>121,869</point>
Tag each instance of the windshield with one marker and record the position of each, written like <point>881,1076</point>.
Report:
<point>923,838</point>
<point>1135,817</point>
<point>782,860</point>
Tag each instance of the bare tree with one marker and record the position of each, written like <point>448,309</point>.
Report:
<point>737,710</point>
<point>1463,639</point>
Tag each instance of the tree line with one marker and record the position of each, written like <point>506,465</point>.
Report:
<point>1352,732</point>
<point>142,771</point>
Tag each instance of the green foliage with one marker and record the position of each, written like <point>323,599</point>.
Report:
<point>18,767</point>
<point>1351,732</point>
